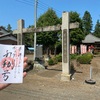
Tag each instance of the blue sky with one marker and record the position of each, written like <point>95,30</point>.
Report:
<point>13,10</point>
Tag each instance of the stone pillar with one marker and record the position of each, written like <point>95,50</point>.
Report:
<point>65,76</point>
<point>20,30</point>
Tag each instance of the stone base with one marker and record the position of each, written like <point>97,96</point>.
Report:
<point>38,64</point>
<point>65,77</point>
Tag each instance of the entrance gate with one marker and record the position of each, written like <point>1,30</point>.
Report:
<point>65,76</point>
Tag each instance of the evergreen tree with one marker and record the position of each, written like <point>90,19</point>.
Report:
<point>87,23</point>
<point>48,39</point>
<point>9,28</point>
<point>28,38</point>
<point>97,29</point>
<point>76,35</point>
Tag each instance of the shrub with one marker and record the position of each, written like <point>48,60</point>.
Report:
<point>50,62</point>
<point>73,56</point>
<point>59,57</point>
<point>89,54</point>
<point>55,60</point>
<point>85,58</point>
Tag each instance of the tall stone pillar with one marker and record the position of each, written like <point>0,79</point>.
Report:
<point>20,31</point>
<point>65,76</point>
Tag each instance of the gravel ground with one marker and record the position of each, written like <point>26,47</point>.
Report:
<point>46,84</point>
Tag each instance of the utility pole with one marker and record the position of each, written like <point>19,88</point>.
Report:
<point>35,20</point>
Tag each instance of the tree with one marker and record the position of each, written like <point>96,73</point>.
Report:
<point>28,38</point>
<point>9,28</point>
<point>47,39</point>
<point>76,35</point>
<point>87,23</point>
<point>97,29</point>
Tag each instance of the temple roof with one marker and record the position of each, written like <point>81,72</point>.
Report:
<point>8,36</point>
<point>91,39</point>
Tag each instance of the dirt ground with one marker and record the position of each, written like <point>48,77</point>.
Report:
<point>46,84</point>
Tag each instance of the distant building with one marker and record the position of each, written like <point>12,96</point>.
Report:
<point>6,37</point>
<point>92,40</point>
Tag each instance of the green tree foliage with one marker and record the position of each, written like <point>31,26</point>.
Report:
<point>74,17</point>
<point>87,23</point>
<point>76,35</point>
<point>85,58</point>
<point>9,28</point>
<point>97,29</point>
<point>49,18</point>
<point>28,38</point>
<point>48,39</point>
<point>52,40</point>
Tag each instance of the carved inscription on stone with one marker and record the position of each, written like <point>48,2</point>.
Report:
<point>65,45</point>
